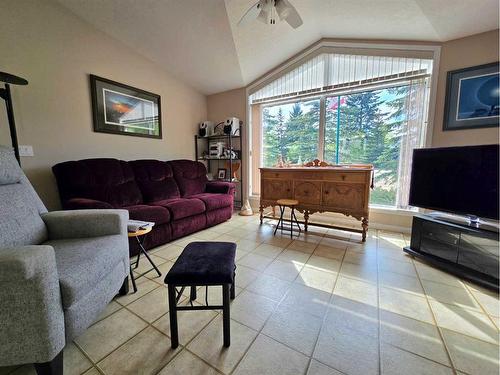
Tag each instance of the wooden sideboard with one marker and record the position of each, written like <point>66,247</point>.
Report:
<point>341,189</point>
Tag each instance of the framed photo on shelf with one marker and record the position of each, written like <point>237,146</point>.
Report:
<point>472,98</point>
<point>122,109</point>
<point>221,173</point>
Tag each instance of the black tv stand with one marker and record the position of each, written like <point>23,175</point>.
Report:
<point>452,244</point>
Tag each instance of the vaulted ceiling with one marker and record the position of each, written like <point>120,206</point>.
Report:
<point>200,42</point>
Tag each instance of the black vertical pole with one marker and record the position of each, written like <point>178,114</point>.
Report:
<point>12,122</point>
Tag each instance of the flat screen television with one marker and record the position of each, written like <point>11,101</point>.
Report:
<point>459,180</point>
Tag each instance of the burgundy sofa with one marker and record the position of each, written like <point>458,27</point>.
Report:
<point>176,194</point>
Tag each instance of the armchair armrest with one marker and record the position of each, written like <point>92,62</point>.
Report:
<point>220,187</point>
<point>84,203</point>
<point>31,310</point>
<point>85,223</point>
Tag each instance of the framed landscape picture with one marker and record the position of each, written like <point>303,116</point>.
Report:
<point>122,109</point>
<point>472,98</point>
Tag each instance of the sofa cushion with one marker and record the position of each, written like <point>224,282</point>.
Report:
<point>82,264</point>
<point>156,214</point>
<point>108,180</point>
<point>215,201</point>
<point>182,207</point>
<point>191,176</point>
<point>155,180</point>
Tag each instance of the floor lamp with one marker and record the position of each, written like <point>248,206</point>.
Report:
<point>10,79</point>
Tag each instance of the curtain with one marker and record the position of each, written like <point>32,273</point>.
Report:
<point>333,71</point>
<point>414,133</point>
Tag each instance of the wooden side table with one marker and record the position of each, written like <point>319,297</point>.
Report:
<point>138,234</point>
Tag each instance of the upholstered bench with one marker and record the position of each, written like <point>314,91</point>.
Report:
<point>202,264</point>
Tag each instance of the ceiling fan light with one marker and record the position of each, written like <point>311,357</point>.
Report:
<point>263,16</point>
<point>282,9</point>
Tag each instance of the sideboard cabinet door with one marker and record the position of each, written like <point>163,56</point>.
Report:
<point>276,189</point>
<point>344,196</point>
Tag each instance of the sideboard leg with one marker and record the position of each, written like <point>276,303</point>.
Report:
<point>261,210</point>
<point>306,219</point>
<point>364,224</point>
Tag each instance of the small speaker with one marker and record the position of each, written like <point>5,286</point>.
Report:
<point>205,128</point>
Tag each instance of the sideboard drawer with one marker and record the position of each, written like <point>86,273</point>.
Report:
<point>348,177</point>
<point>278,175</point>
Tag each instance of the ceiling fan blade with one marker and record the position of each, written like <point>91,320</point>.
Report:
<point>251,14</point>
<point>292,17</point>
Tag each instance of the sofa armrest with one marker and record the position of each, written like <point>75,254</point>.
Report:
<point>31,312</point>
<point>85,204</point>
<point>85,223</point>
<point>220,187</point>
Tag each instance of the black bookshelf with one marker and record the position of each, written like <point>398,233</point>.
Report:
<point>233,142</point>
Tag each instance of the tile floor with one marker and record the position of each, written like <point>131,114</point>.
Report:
<point>322,304</point>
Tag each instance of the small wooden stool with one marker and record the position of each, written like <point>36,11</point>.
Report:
<point>292,203</point>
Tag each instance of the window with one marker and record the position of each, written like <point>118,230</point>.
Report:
<point>290,131</point>
<point>346,109</point>
<point>368,127</point>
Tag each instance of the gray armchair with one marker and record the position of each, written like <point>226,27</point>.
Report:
<point>58,271</point>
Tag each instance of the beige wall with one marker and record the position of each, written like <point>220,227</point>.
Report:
<point>456,54</point>
<point>227,104</point>
<point>231,103</point>
<point>56,52</point>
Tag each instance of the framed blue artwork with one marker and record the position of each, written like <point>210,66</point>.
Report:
<point>472,98</point>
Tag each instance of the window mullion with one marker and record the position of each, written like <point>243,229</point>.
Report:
<point>321,132</point>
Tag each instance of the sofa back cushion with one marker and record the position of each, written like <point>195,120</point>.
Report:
<point>20,206</point>
<point>108,180</point>
<point>155,180</point>
<point>191,176</point>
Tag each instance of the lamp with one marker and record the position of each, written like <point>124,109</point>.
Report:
<point>10,79</point>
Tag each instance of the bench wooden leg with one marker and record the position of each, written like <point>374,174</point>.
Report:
<point>174,332</point>
<point>192,295</point>
<point>225,315</point>
<point>233,289</point>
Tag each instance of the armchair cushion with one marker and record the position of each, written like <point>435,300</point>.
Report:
<point>86,204</point>
<point>215,201</point>
<point>85,223</point>
<point>32,328</point>
<point>83,262</point>
<point>220,187</point>
<point>10,172</point>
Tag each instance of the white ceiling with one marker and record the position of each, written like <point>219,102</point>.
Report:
<point>199,40</point>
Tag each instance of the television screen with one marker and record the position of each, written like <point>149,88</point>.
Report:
<point>461,180</point>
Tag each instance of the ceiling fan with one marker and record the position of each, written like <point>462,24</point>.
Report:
<point>266,10</point>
